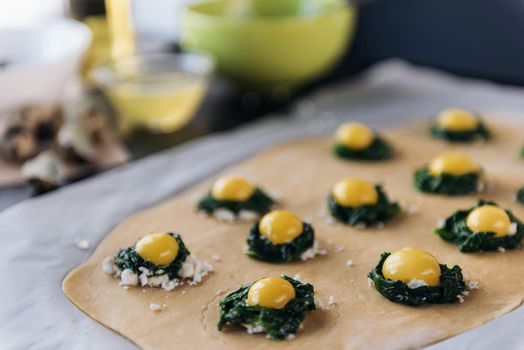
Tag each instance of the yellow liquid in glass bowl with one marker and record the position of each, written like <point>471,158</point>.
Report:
<point>159,108</point>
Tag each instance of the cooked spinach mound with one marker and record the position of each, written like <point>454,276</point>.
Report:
<point>259,202</point>
<point>277,323</point>
<point>446,184</point>
<point>368,215</point>
<point>129,259</point>
<point>481,132</point>
<point>520,195</point>
<point>261,248</point>
<point>451,287</point>
<point>456,231</point>
<point>379,149</point>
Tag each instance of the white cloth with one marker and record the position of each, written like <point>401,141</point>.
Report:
<point>38,236</point>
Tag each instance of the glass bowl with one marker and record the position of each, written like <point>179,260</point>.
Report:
<point>159,92</point>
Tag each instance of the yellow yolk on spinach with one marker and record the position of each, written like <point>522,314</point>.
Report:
<point>354,135</point>
<point>455,164</point>
<point>354,192</point>
<point>280,226</point>
<point>489,218</point>
<point>410,264</point>
<point>271,292</point>
<point>157,248</point>
<point>457,120</point>
<point>232,188</point>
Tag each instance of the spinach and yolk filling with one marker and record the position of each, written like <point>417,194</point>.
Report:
<point>459,125</point>
<point>235,194</point>
<point>280,236</point>
<point>414,277</point>
<point>484,227</point>
<point>357,141</point>
<point>449,174</point>
<point>276,306</point>
<point>155,251</point>
<point>355,201</point>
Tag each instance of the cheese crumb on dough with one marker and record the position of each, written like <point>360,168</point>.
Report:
<point>472,285</point>
<point>481,185</point>
<point>415,283</point>
<point>224,215</point>
<point>192,269</point>
<point>229,216</point>
<point>108,265</point>
<point>313,251</point>
<point>319,304</point>
<point>157,307</point>
<point>512,229</point>
<point>128,278</point>
<point>339,249</point>
<point>349,262</point>
<point>412,209</point>
<point>253,329</point>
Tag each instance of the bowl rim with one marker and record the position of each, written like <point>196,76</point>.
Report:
<point>338,5</point>
<point>67,24</point>
<point>104,76</point>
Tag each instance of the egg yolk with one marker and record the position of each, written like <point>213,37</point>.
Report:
<point>354,192</point>
<point>280,226</point>
<point>453,164</point>
<point>271,292</point>
<point>457,120</point>
<point>489,218</point>
<point>157,248</point>
<point>411,263</point>
<point>232,188</point>
<point>355,136</point>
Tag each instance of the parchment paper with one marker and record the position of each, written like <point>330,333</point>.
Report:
<point>38,235</point>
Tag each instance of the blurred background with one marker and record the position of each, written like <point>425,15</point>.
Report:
<point>87,85</point>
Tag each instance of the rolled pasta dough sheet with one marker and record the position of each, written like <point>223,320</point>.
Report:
<point>301,174</point>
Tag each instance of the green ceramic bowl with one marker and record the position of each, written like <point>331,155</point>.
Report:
<point>270,44</point>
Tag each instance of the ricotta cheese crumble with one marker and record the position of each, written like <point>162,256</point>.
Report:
<point>313,251</point>
<point>229,216</point>
<point>192,271</point>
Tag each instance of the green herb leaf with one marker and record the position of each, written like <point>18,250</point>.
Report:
<point>259,202</point>
<point>481,132</point>
<point>451,287</point>
<point>456,231</point>
<point>446,184</point>
<point>379,149</point>
<point>261,248</point>
<point>129,259</point>
<point>368,215</point>
<point>520,195</point>
<point>277,323</point>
